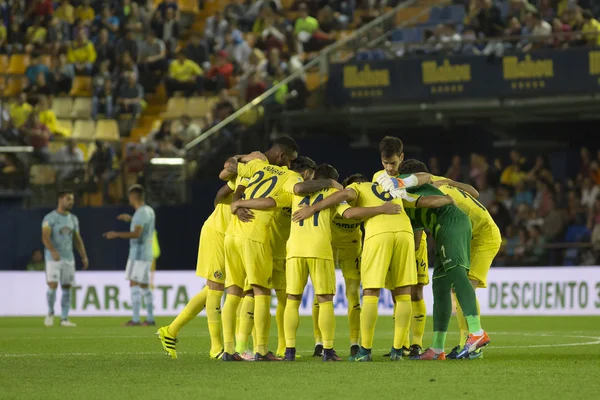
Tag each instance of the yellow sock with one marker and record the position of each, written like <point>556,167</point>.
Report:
<point>213,317</point>
<point>353,296</point>
<point>462,323</point>
<point>327,323</point>
<point>228,316</point>
<point>290,321</point>
<point>368,320</point>
<point>417,324</point>
<point>237,315</point>
<point>254,342</point>
<point>246,324</point>
<point>281,300</point>
<point>262,321</point>
<point>191,310</point>
<point>315,318</point>
<point>406,342</point>
<point>402,319</point>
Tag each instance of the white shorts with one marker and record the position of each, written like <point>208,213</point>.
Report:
<point>61,271</point>
<point>138,271</point>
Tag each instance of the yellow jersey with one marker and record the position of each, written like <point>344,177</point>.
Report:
<point>220,218</point>
<point>85,13</point>
<point>82,52</point>
<point>19,113</point>
<point>345,233</point>
<point>280,232</point>
<point>184,71</point>
<point>477,213</point>
<point>265,180</point>
<point>311,238</point>
<point>372,195</point>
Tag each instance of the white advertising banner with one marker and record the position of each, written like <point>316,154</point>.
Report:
<point>511,291</point>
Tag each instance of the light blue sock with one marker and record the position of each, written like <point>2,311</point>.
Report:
<point>149,302</point>
<point>136,302</point>
<point>51,298</point>
<point>65,304</point>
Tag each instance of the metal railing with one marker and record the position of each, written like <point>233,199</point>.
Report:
<point>378,26</point>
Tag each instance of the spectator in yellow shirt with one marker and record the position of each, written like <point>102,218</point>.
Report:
<point>19,111</point>
<point>590,29</point>
<point>513,174</point>
<point>65,12</point>
<point>48,118</point>
<point>35,36</point>
<point>85,13</point>
<point>81,53</point>
<point>3,37</point>
<point>184,75</point>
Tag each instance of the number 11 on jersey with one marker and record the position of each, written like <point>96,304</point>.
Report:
<point>306,201</point>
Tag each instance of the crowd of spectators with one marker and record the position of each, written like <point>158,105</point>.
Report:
<point>543,220</point>
<point>495,27</point>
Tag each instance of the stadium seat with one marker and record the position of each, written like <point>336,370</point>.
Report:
<point>82,86</point>
<point>312,81</point>
<point>3,62</point>
<point>18,64</point>
<point>188,6</point>
<point>175,108</point>
<point>62,107</point>
<point>84,129</point>
<point>42,175</point>
<point>196,107</point>
<point>65,125</point>
<point>90,149</point>
<point>107,129</point>
<point>14,85</point>
<point>82,108</point>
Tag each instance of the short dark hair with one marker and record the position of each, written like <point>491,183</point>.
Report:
<point>353,179</point>
<point>286,143</point>
<point>326,171</point>
<point>391,146</point>
<point>62,193</point>
<point>412,166</point>
<point>587,14</point>
<point>302,164</point>
<point>137,189</point>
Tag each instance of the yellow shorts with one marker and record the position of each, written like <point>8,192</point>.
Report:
<point>247,259</point>
<point>279,274</point>
<point>484,248</point>
<point>211,255</point>
<point>348,260</point>
<point>422,258</point>
<point>388,261</point>
<point>322,275</point>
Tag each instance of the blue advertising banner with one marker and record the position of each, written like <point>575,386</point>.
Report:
<point>444,78</point>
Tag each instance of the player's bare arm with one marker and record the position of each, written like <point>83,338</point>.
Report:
<point>459,185</point>
<point>137,232</point>
<point>230,168</point>
<point>329,201</point>
<point>367,212</point>
<point>418,233</point>
<point>124,217</point>
<point>389,183</point>
<point>46,233</point>
<point>254,204</point>
<point>434,201</point>
<point>244,214</point>
<point>222,194</point>
<point>308,187</point>
<point>81,250</point>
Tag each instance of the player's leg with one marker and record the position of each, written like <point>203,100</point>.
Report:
<point>235,277</point>
<point>296,276</point>
<point>404,277</point>
<point>136,293</point>
<point>279,286</point>
<point>246,324</point>
<point>419,310</point>
<point>52,278</point>
<point>146,268</point>
<point>67,279</point>
<point>350,267</point>
<point>322,273</point>
<point>376,259</point>
<point>258,262</point>
<point>316,329</point>
<point>213,316</point>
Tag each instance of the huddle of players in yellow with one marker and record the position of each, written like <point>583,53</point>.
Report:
<point>272,227</point>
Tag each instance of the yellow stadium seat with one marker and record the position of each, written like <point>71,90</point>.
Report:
<point>82,107</point>
<point>40,174</point>
<point>82,86</point>
<point>65,125</point>
<point>188,6</point>
<point>107,129</point>
<point>196,107</point>
<point>84,129</point>
<point>14,85</point>
<point>62,107</point>
<point>175,108</point>
<point>18,64</point>
<point>84,149</point>
<point>91,148</point>
<point>3,62</point>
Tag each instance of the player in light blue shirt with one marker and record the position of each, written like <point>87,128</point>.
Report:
<point>139,263</point>
<point>60,229</point>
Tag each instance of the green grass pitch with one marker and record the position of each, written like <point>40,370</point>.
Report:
<point>529,358</point>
